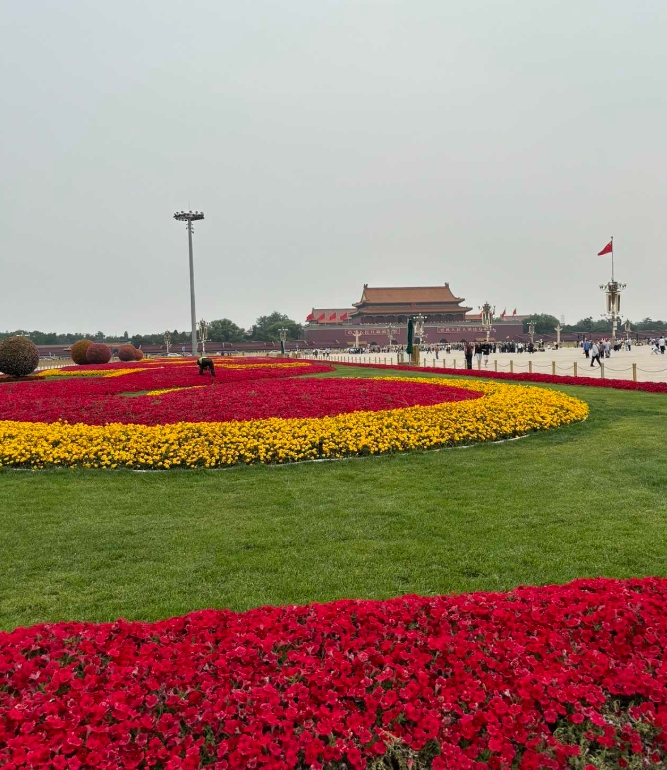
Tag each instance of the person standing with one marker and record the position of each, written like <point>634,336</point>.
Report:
<point>587,348</point>
<point>595,353</point>
<point>468,354</point>
<point>661,344</point>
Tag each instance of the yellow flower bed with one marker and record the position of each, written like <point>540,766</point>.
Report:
<point>163,391</point>
<point>232,363</point>
<point>504,411</point>
<point>88,372</point>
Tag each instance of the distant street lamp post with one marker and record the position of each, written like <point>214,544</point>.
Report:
<point>203,336</point>
<point>420,320</point>
<point>390,333</point>
<point>167,341</point>
<point>531,331</point>
<point>190,217</point>
<point>283,339</point>
<point>487,318</point>
<point>628,329</point>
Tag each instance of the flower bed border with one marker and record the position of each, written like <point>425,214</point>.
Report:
<point>550,379</point>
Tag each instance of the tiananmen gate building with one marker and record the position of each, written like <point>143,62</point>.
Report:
<point>366,322</point>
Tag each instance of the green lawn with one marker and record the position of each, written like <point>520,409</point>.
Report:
<point>586,500</point>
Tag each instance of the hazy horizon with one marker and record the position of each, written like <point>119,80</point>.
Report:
<point>494,146</point>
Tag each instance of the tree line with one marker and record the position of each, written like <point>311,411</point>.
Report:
<point>265,329</point>
<point>545,324</point>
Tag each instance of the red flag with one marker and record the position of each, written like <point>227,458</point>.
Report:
<point>344,317</point>
<point>332,317</point>
<point>607,249</point>
<point>321,317</point>
<point>514,311</point>
<point>310,317</point>
<point>504,313</point>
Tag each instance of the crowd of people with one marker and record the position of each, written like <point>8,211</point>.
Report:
<point>479,351</point>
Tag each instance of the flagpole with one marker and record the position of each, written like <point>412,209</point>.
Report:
<point>612,258</point>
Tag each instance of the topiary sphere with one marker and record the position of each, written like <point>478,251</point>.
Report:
<point>98,353</point>
<point>78,351</point>
<point>138,355</point>
<point>18,356</point>
<point>127,353</point>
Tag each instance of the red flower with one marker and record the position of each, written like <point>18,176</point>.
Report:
<point>479,680</point>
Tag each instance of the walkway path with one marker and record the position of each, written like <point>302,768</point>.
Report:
<point>648,367</point>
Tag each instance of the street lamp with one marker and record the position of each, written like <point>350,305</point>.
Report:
<point>613,291</point>
<point>419,327</point>
<point>167,341</point>
<point>628,329</point>
<point>531,331</point>
<point>203,336</point>
<point>390,332</point>
<point>189,217</point>
<point>487,318</point>
<point>283,332</point>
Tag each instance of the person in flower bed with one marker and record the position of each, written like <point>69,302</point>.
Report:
<point>205,363</point>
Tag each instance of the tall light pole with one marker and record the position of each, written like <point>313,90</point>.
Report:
<point>167,340</point>
<point>190,217</point>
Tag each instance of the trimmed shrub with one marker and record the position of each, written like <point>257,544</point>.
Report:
<point>18,356</point>
<point>78,351</point>
<point>127,353</point>
<point>138,355</point>
<point>98,353</point>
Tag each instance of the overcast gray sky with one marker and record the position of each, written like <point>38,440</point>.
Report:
<point>495,145</point>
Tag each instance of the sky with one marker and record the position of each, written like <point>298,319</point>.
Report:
<point>493,145</point>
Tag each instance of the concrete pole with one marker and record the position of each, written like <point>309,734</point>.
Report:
<point>193,313</point>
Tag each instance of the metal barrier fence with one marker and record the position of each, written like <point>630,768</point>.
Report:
<point>554,368</point>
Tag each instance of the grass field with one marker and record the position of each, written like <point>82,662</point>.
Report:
<point>585,500</point>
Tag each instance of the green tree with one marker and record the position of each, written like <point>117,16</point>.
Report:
<point>224,330</point>
<point>544,323</point>
<point>590,326</point>
<point>265,328</point>
<point>647,324</point>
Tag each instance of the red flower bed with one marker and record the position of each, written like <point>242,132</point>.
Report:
<point>101,400</point>
<point>235,394</point>
<point>649,387</point>
<point>519,680</point>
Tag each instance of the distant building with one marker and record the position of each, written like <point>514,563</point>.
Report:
<point>365,322</point>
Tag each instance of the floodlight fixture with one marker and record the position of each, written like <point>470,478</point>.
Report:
<point>189,217</point>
